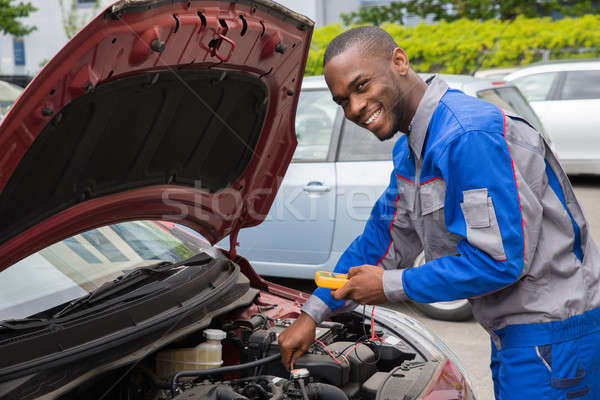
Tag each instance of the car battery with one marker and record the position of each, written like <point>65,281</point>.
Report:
<point>263,342</point>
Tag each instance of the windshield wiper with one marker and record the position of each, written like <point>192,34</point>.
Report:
<point>23,324</point>
<point>130,279</point>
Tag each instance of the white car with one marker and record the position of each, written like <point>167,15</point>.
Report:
<point>494,73</point>
<point>566,97</point>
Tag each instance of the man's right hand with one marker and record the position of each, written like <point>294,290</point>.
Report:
<point>296,339</point>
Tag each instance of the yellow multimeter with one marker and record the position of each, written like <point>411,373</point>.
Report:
<point>330,280</point>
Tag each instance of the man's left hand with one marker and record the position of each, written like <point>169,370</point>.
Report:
<point>364,286</point>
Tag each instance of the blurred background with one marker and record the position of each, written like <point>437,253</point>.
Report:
<point>479,34</point>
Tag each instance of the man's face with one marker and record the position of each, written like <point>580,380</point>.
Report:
<point>369,89</point>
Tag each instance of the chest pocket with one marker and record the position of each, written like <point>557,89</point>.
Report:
<point>407,192</point>
<point>432,195</point>
<point>437,241</point>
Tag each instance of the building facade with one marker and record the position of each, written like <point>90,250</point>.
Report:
<point>27,55</point>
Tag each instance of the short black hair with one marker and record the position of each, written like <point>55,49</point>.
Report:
<point>372,39</point>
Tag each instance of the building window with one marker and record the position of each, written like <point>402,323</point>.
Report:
<point>19,51</point>
<point>104,246</point>
<point>81,251</point>
<point>85,3</point>
<point>371,3</point>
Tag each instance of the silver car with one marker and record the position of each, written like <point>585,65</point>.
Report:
<point>566,97</point>
<point>338,171</point>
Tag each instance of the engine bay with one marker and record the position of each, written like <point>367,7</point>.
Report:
<point>221,342</point>
<point>351,358</point>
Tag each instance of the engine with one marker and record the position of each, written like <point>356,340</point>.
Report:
<point>344,362</point>
<point>351,359</point>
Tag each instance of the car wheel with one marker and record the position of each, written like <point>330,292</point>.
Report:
<point>456,310</point>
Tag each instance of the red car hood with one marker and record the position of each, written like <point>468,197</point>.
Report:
<point>158,109</point>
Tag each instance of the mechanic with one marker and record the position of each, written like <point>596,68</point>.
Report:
<point>480,192</point>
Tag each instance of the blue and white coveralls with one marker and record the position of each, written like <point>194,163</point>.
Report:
<point>483,196</point>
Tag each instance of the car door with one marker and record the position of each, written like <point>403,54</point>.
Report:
<point>363,168</point>
<point>543,91</point>
<point>298,231</point>
<point>574,119</point>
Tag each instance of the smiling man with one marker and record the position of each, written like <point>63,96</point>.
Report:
<point>373,95</point>
<point>482,195</point>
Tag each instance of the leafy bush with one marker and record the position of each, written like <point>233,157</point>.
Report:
<point>459,47</point>
<point>451,10</point>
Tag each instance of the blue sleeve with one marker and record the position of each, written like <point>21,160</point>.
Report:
<point>477,162</point>
<point>371,245</point>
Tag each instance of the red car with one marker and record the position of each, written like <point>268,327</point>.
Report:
<point>161,123</point>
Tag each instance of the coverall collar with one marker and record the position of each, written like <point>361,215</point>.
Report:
<point>417,128</point>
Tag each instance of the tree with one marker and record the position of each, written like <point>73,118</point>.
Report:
<point>375,15</point>
<point>450,10</point>
<point>74,19</point>
<point>9,14</point>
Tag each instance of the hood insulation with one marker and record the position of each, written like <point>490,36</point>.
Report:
<point>194,128</point>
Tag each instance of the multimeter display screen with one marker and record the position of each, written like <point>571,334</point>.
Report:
<point>328,275</point>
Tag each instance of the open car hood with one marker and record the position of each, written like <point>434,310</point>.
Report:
<point>158,109</point>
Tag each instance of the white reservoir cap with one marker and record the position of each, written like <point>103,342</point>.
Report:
<point>214,334</point>
<point>300,373</point>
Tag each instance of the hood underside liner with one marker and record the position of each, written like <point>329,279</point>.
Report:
<point>179,128</point>
<point>92,341</point>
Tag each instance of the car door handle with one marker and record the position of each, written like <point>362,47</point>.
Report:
<point>316,187</point>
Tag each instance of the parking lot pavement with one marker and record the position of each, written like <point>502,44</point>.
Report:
<point>467,339</point>
<point>587,190</point>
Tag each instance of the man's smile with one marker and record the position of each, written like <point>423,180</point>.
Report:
<point>373,117</point>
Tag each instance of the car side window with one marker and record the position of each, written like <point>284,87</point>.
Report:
<point>315,119</point>
<point>359,144</point>
<point>536,87</point>
<point>509,99</point>
<point>580,85</point>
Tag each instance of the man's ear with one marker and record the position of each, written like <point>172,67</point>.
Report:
<point>400,61</point>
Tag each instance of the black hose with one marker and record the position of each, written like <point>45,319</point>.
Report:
<point>221,370</point>
<point>323,391</point>
<point>225,393</point>
<point>257,387</point>
<point>303,389</point>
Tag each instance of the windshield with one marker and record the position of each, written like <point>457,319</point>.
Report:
<point>76,266</point>
<point>510,99</point>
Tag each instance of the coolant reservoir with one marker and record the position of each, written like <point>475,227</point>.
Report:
<point>210,352</point>
<point>206,355</point>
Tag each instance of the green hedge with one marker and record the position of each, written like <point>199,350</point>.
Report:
<point>459,46</point>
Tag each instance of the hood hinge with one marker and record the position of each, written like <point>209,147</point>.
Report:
<point>233,235</point>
